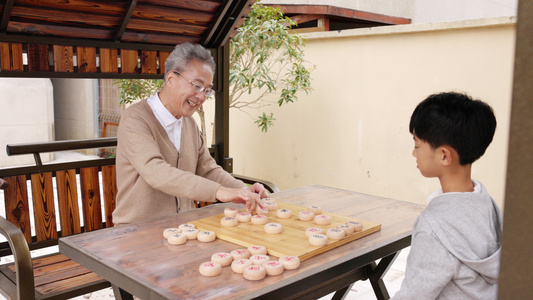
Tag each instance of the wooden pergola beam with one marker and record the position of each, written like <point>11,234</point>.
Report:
<point>340,12</point>
<point>125,19</point>
<point>226,22</point>
<point>6,14</point>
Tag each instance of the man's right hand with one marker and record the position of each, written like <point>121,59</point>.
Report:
<point>240,196</point>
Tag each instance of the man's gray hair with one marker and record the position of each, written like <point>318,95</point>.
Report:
<point>184,53</point>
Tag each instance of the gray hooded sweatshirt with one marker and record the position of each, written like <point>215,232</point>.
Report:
<point>455,248</point>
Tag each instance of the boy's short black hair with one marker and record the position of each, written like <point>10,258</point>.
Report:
<point>455,120</point>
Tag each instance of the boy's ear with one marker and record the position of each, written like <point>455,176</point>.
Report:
<point>445,155</point>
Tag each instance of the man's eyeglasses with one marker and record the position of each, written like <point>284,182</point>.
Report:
<point>198,88</point>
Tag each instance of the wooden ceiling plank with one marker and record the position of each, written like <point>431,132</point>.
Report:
<point>125,19</point>
<point>11,57</point>
<point>150,12</point>
<point>194,5</point>
<point>166,20</point>
<point>165,27</point>
<point>60,31</point>
<point>40,15</point>
<point>170,40</point>
<point>107,7</point>
<point>6,14</point>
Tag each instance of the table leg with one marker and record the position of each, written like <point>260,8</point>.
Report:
<point>376,274</point>
<point>121,294</point>
<point>342,293</point>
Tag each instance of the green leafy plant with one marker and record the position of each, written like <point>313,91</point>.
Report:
<point>267,59</point>
<point>265,121</point>
<point>137,89</point>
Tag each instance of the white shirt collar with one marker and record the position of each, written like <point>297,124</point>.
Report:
<point>171,125</point>
<point>161,112</point>
<point>477,189</point>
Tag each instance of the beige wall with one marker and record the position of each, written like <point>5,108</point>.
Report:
<point>26,116</point>
<point>352,131</point>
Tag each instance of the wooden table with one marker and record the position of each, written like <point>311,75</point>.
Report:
<point>137,260</point>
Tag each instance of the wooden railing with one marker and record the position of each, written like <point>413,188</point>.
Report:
<point>79,209</point>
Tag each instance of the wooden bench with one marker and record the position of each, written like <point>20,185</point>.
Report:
<point>81,200</point>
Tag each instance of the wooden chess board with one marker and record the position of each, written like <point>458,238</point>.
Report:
<point>292,240</point>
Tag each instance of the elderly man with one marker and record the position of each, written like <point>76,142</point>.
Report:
<point>163,164</point>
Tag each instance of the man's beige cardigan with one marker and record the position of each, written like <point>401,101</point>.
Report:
<point>153,179</point>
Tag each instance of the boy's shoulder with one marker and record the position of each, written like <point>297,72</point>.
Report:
<point>462,211</point>
<point>456,204</point>
<point>443,201</point>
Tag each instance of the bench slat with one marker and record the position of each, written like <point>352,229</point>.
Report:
<point>109,180</point>
<point>43,206</point>
<point>16,204</point>
<point>84,281</point>
<point>90,195</point>
<point>67,197</point>
<point>51,268</point>
<point>48,260</point>
<point>57,273</point>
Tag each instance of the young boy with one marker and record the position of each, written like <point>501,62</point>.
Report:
<point>455,249</point>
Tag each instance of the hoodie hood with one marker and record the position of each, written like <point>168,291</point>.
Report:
<point>469,225</point>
